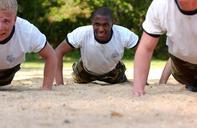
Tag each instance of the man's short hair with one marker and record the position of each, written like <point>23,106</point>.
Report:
<point>10,5</point>
<point>103,11</point>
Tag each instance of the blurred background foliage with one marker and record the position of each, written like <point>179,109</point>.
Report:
<point>56,18</point>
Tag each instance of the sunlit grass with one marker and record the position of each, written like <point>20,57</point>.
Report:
<point>154,63</point>
<point>41,65</point>
<point>68,64</point>
<point>32,65</point>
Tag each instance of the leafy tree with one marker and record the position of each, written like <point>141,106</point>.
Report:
<point>128,13</point>
<point>56,18</point>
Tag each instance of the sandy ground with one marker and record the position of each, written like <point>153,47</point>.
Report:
<point>95,105</point>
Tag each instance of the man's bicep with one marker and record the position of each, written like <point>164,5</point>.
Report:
<point>46,51</point>
<point>148,41</point>
<point>64,47</point>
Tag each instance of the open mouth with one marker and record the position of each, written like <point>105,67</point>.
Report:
<point>2,36</point>
<point>101,35</point>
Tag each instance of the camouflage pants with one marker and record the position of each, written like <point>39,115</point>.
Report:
<point>80,75</point>
<point>7,75</point>
<point>184,72</point>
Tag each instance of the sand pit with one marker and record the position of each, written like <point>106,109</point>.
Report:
<point>95,105</point>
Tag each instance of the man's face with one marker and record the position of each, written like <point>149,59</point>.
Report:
<point>102,27</point>
<point>7,21</point>
<point>187,5</point>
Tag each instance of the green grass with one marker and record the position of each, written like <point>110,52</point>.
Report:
<point>35,64</point>
<point>34,61</point>
<point>154,63</point>
<point>68,64</point>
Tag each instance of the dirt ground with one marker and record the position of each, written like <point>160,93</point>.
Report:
<point>95,105</point>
